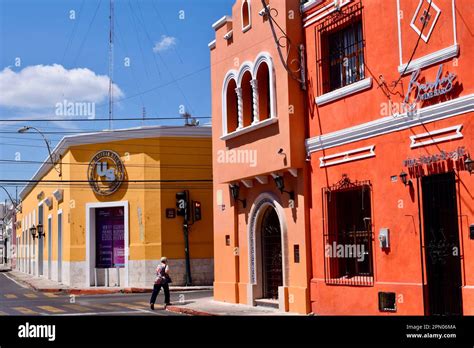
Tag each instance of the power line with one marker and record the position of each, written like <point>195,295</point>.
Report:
<point>31,181</point>
<point>95,119</point>
<point>138,165</point>
<point>71,37</point>
<point>87,33</point>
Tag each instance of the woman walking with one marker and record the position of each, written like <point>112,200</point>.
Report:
<point>162,280</point>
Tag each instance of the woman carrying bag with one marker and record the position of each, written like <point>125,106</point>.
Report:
<point>162,280</point>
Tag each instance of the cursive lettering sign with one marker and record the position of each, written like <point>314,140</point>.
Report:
<point>425,91</point>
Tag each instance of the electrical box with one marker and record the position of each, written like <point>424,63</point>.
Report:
<point>384,238</point>
<point>471,232</point>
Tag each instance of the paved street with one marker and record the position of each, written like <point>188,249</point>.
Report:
<point>18,300</point>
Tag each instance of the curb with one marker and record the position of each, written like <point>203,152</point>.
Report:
<point>190,311</point>
<point>93,291</point>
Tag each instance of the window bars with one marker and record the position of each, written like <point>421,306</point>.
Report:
<point>341,58</point>
<point>348,236</point>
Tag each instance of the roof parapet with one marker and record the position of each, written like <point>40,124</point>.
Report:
<point>219,23</point>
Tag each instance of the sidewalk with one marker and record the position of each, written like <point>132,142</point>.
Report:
<point>5,267</point>
<point>46,285</point>
<point>206,306</point>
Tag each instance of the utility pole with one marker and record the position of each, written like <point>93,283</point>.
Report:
<point>111,63</point>
<point>182,203</point>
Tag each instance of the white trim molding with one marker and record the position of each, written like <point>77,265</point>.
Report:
<point>248,26</point>
<point>237,75</point>
<point>364,152</point>
<point>457,135</point>
<point>344,91</point>
<point>220,22</point>
<point>90,238</point>
<point>324,11</point>
<point>248,183</point>
<point>310,4</point>
<point>212,44</point>
<point>430,59</point>
<point>113,135</point>
<point>391,124</point>
<point>250,128</point>
<point>228,35</point>
<point>415,28</point>
<point>262,179</point>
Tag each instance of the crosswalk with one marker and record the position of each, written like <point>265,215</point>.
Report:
<point>27,295</point>
<point>28,307</point>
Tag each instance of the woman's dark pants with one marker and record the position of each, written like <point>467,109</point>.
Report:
<point>156,291</point>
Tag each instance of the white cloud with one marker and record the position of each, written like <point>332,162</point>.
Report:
<point>165,43</point>
<point>43,86</point>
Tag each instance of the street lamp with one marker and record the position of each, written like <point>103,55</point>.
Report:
<point>468,163</point>
<point>280,184</point>
<point>33,231</point>
<point>26,129</point>
<point>234,190</point>
<point>39,228</point>
<point>404,178</point>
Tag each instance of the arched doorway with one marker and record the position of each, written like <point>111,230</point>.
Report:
<point>268,257</point>
<point>271,252</point>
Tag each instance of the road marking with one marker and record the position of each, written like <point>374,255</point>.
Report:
<point>146,304</point>
<point>77,307</point>
<point>134,307</point>
<point>31,295</point>
<point>51,309</point>
<point>17,283</point>
<point>11,296</point>
<point>126,305</point>
<point>101,306</point>
<point>25,310</point>
<point>48,294</point>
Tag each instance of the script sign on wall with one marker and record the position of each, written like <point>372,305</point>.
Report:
<point>424,91</point>
<point>106,172</point>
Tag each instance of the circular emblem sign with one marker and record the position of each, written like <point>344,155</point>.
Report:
<point>106,172</point>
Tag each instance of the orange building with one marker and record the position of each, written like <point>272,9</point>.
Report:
<point>391,142</point>
<point>261,247</point>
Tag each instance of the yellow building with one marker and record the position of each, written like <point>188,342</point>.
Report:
<point>108,208</point>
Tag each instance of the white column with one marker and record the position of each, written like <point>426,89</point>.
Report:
<point>254,84</point>
<point>240,108</point>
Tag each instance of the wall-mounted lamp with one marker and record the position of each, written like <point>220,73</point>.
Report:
<point>404,178</point>
<point>234,190</point>
<point>33,231</point>
<point>39,228</point>
<point>280,184</point>
<point>469,165</point>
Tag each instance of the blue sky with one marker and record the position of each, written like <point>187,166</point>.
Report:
<point>56,51</point>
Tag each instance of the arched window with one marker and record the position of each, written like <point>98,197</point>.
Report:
<point>231,106</point>
<point>263,78</point>
<point>246,20</point>
<point>247,98</point>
